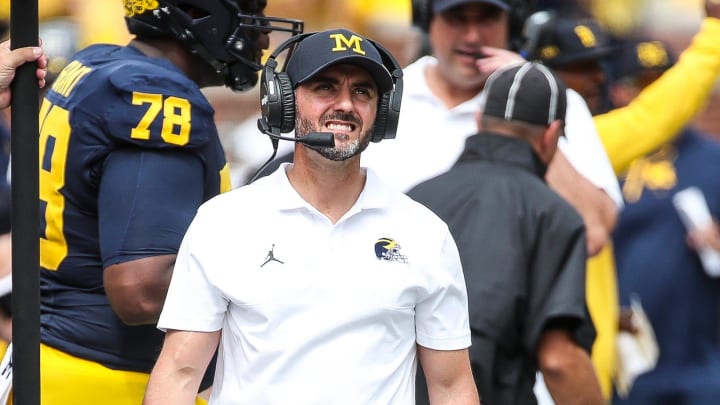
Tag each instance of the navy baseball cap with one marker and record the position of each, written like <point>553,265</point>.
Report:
<point>567,41</point>
<point>637,56</point>
<point>528,92</point>
<point>323,49</point>
<point>440,6</point>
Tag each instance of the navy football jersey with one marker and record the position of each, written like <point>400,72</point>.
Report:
<point>128,151</point>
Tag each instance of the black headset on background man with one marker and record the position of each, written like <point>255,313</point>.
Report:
<point>422,12</point>
<point>277,99</point>
<point>535,26</point>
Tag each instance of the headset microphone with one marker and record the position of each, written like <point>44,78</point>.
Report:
<point>318,139</point>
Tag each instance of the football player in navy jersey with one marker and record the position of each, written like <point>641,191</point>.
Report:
<point>128,151</point>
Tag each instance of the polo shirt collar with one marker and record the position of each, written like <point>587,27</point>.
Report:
<point>416,86</point>
<point>375,194</point>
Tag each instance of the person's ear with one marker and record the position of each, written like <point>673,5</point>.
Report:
<point>550,139</point>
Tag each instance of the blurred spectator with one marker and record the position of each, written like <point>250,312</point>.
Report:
<point>655,262</point>
<point>630,132</point>
<point>575,48</point>
<point>650,120</point>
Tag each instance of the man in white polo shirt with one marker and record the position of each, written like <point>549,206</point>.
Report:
<point>320,284</point>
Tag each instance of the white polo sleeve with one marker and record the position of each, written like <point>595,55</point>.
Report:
<point>441,319</point>
<point>193,302</point>
<point>583,149</point>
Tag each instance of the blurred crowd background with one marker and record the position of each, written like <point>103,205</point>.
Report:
<point>67,25</point>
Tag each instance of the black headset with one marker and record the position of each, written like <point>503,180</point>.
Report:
<point>535,27</point>
<point>277,96</point>
<point>422,12</point>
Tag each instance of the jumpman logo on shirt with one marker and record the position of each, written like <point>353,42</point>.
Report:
<point>271,257</point>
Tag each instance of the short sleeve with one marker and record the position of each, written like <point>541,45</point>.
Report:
<point>146,201</point>
<point>584,150</point>
<point>557,284</point>
<point>193,302</point>
<point>442,318</point>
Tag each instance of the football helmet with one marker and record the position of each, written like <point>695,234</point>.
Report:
<point>224,33</point>
<point>389,250</point>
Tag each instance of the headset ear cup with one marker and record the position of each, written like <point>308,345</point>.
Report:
<point>388,113</point>
<point>287,100</point>
<point>391,123</point>
<point>521,10</point>
<point>381,118</point>
<point>277,98</point>
<point>392,114</point>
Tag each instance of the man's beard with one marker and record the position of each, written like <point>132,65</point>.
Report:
<point>336,153</point>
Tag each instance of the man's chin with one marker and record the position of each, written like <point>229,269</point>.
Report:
<point>339,153</point>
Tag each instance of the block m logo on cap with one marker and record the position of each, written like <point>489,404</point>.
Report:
<point>342,43</point>
<point>586,36</point>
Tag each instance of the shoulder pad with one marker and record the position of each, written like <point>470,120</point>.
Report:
<point>158,107</point>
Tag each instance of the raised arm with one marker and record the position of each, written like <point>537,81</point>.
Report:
<point>653,119</point>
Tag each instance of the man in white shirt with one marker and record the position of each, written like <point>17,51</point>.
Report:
<point>442,98</point>
<point>320,284</point>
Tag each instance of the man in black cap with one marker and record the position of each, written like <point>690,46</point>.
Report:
<point>575,49</point>
<point>365,281</point>
<point>522,246</point>
<point>649,120</point>
<point>637,64</point>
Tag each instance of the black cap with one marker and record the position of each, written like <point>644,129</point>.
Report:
<point>324,49</point>
<point>567,41</point>
<point>637,56</point>
<point>442,5</point>
<point>528,92</point>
